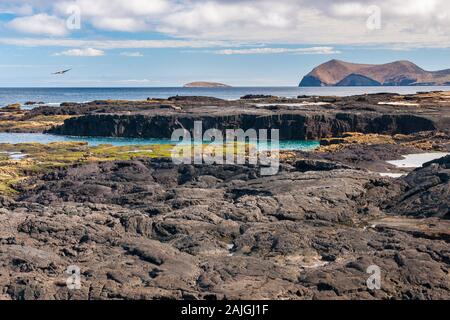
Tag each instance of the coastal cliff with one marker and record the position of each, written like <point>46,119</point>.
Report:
<point>302,118</point>
<point>292,126</point>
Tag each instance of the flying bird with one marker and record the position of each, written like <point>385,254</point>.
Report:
<point>62,72</point>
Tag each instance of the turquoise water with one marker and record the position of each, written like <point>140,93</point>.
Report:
<point>95,141</point>
<point>58,95</point>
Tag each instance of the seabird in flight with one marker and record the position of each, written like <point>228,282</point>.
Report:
<point>62,72</point>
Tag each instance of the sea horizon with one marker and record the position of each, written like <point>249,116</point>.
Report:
<point>57,95</point>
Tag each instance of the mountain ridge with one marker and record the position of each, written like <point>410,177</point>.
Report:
<point>397,73</point>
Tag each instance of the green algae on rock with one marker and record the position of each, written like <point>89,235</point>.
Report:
<point>42,158</point>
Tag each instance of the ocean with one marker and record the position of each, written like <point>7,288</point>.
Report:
<point>58,95</point>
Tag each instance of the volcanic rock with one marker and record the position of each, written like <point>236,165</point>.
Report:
<point>426,192</point>
<point>399,73</point>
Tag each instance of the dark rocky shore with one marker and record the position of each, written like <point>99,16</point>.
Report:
<point>150,229</point>
<point>310,118</point>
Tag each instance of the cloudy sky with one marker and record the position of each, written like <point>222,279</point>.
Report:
<point>245,42</point>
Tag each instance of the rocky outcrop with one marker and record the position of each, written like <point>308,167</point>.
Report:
<point>426,192</point>
<point>305,165</point>
<point>296,118</point>
<point>11,107</point>
<point>296,126</point>
<point>257,96</point>
<point>399,73</point>
<point>357,80</point>
<point>311,81</point>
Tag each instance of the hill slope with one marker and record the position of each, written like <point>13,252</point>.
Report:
<point>399,73</point>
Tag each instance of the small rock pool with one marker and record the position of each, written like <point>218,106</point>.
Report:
<point>14,138</point>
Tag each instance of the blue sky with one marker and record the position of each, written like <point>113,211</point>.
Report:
<point>241,43</point>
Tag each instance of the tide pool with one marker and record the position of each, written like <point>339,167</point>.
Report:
<point>417,160</point>
<point>15,138</point>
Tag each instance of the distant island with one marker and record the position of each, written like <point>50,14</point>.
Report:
<point>399,73</point>
<point>204,84</point>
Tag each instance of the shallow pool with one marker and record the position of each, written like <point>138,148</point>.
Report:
<point>417,160</point>
<point>94,141</point>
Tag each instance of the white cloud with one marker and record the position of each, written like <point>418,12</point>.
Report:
<point>325,23</point>
<point>313,50</point>
<point>119,24</point>
<point>87,52</point>
<point>132,54</point>
<point>349,9</point>
<point>117,8</point>
<point>307,21</point>
<point>115,44</point>
<point>118,15</point>
<point>42,24</point>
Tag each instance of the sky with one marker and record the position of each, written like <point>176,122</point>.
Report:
<point>157,43</point>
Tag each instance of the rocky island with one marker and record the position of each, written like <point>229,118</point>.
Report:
<point>400,73</point>
<point>204,84</point>
<point>139,226</point>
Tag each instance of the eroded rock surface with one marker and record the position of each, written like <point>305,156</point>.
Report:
<point>426,191</point>
<point>147,229</point>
